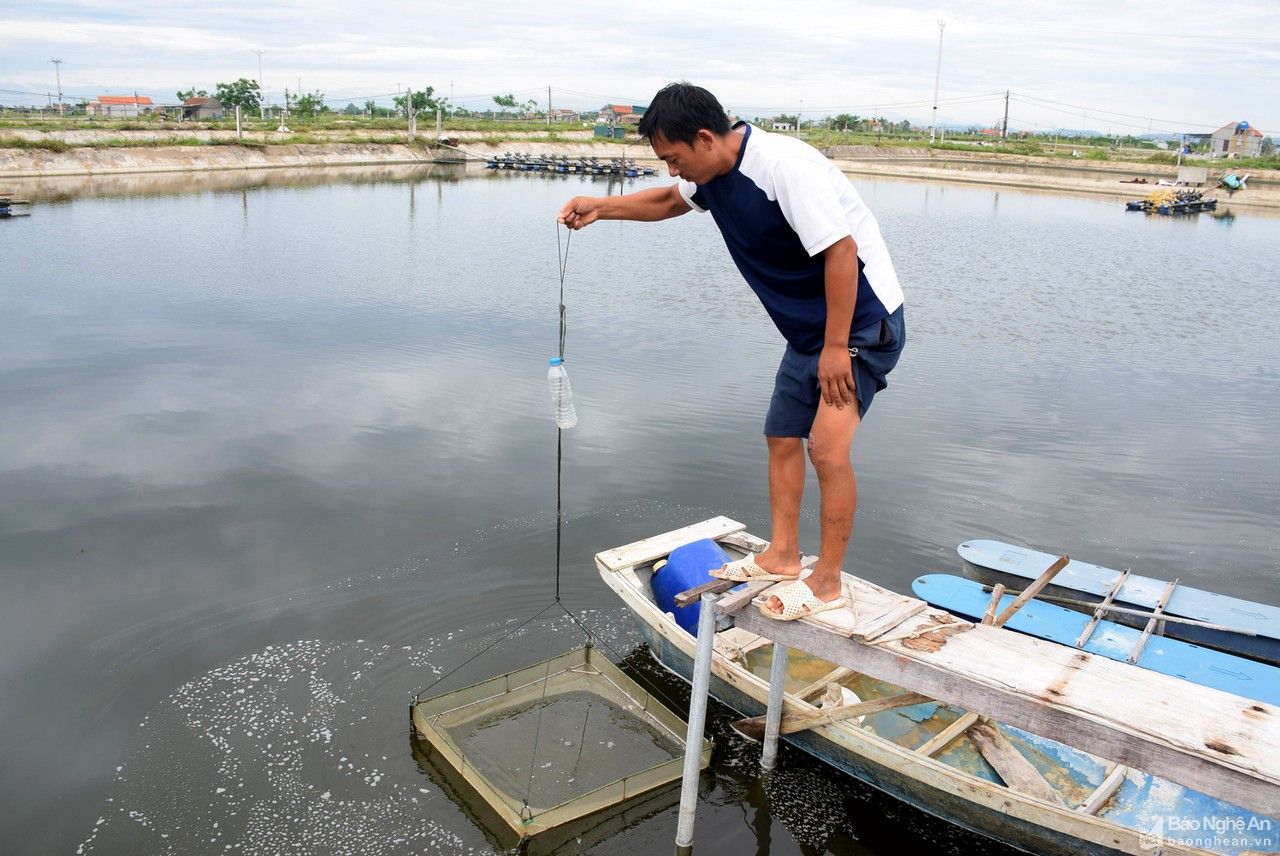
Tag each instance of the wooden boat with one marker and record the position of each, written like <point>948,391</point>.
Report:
<point>1046,798</point>
<point>1185,660</point>
<point>1231,624</point>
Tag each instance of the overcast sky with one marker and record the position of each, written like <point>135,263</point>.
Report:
<point>1170,65</point>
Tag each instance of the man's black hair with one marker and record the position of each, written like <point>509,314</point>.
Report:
<point>679,111</point>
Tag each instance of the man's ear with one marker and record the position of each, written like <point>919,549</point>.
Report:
<point>705,138</point>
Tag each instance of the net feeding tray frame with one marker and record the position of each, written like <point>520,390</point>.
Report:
<point>582,669</point>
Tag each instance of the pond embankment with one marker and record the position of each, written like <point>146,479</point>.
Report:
<point>1037,173</point>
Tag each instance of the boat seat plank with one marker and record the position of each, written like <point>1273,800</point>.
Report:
<point>1220,744</point>
<point>939,741</point>
<point>804,720</point>
<point>735,643</point>
<point>659,546</point>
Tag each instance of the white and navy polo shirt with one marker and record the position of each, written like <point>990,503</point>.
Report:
<point>780,206</point>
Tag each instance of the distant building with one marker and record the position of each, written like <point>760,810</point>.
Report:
<point>1235,140</point>
<point>119,106</point>
<point>783,126</point>
<point>621,114</point>
<point>202,108</point>
<point>563,114</point>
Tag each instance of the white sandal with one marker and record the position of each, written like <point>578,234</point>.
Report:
<point>798,601</point>
<point>745,570</point>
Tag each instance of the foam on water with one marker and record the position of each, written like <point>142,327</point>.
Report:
<point>267,754</point>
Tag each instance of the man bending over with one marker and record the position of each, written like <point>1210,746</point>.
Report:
<point>811,250</point>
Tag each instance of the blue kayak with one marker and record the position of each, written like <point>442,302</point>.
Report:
<point>993,562</point>
<point>1185,660</point>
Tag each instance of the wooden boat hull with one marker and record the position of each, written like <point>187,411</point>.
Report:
<point>992,562</point>
<point>956,784</point>
<point>981,820</point>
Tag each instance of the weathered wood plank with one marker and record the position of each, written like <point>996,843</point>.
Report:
<point>997,592</point>
<point>886,621</point>
<point>1211,741</point>
<point>1097,613</point>
<point>792,723</point>
<point>937,631</point>
<point>735,642</point>
<point>939,741</point>
<point>1018,773</point>
<point>835,676</point>
<point>658,546</point>
<point>1032,590</point>
<point>1102,793</point>
<point>1151,622</point>
<point>803,720</point>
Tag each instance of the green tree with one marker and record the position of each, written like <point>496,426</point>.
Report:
<point>783,117</point>
<point>310,104</point>
<point>508,101</point>
<point>243,92</point>
<point>192,93</point>
<point>424,100</point>
<point>846,121</point>
<point>1268,147</point>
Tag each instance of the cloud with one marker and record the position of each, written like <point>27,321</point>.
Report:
<point>1134,59</point>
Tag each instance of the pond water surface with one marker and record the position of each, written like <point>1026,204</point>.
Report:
<point>277,451</point>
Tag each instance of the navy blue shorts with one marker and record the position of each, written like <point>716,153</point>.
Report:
<point>796,394</point>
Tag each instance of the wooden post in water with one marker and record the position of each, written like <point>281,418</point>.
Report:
<point>697,720</point>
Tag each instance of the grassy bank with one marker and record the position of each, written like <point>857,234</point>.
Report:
<point>62,134</point>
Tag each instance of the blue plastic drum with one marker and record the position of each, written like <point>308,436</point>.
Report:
<point>687,567</point>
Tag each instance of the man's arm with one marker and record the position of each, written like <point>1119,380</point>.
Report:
<point>656,203</point>
<point>835,367</point>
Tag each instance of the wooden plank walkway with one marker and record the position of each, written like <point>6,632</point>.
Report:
<point>1220,744</point>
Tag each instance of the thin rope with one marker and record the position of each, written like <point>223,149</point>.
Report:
<point>537,731</point>
<point>562,263</point>
<point>559,513</point>
<point>562,260</point>
<point>418,695</point>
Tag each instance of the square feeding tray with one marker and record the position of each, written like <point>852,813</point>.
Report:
<point>593,738</point>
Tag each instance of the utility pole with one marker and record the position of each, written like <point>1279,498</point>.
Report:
<point>937,76</point>
<point>406,112</point>
<point>548,105</point>
<point>57,70</point>
<point>262,92</point>
<point>1004,133</point>
<point>410,112</point>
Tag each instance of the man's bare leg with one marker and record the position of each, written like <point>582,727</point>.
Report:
<point>830,442</point>
<point>786,489</point>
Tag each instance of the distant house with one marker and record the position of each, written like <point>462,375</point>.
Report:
<point>563,114</point>
<point>119,106</point>
<point>783,126</point>
<point>202,108</point>
<point>621,114</point>
<point>611,114</point>
<point>1235,140</point>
